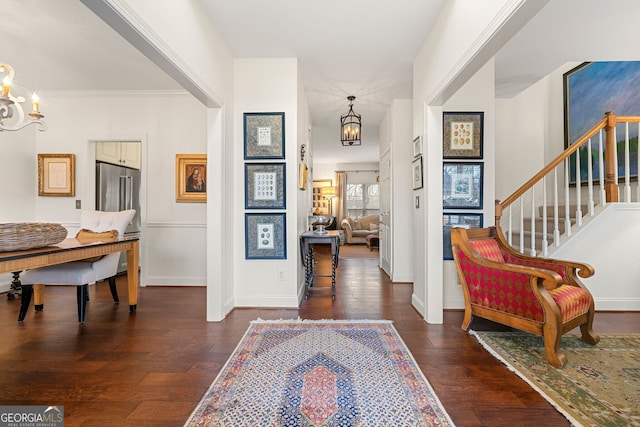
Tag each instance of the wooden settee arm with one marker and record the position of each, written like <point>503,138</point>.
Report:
<point>550,278</point>
<point>571,269</point>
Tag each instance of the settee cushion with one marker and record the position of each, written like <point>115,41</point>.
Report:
<point>488,248</point>
<point>355,224</point>
<point>572,300</point>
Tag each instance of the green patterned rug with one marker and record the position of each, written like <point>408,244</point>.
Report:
<point>599,385</point>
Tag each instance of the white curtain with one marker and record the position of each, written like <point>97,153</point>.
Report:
<point>340,205</point>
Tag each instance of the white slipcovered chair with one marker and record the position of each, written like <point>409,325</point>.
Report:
<point>80,273</point>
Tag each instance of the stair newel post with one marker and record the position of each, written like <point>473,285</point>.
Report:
<point>611,186</point>
<point>498,212</point>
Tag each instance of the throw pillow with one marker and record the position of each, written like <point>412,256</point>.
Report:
<point>87,236</point>
<point>373,226</point>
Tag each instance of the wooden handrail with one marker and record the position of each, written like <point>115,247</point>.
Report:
<point>608,123</point>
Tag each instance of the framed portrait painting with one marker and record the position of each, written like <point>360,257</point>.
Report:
<point>191,178</point>
<point>462,185</point>
<point>57,175</point>
<point>265,235</point>
<point>462,135</point>
<point>263,136</point>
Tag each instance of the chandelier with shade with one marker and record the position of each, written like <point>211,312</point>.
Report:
<point>351,126</point>
<point>12,116</point>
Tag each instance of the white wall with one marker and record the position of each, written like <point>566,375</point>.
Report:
<point>476,95</point>
<point>460,43</point>
<point>609,243</point>
<point>74,124</point>
<point>183,42</point>
<point>18,175</point>
<point>267,85</point>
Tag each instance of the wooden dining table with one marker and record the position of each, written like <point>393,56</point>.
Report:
<point>73,250</point>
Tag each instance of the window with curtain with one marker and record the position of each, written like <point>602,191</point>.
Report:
<point>363,200</point>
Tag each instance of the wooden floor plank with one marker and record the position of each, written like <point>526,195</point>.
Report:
<point>151,368</point>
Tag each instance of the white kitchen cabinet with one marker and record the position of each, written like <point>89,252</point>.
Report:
<point>120,153</point>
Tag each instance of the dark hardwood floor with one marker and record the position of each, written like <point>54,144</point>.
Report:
<point>152,367</point>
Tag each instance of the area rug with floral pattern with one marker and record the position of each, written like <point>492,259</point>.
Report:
<point>320,373</point>
<point>599,385</point>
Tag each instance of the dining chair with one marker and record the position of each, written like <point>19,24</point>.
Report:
<point>95,225</point>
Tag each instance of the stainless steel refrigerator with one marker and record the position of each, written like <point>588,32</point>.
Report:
<point>118,189</point>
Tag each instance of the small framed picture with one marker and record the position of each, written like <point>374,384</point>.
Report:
<point>264,186</point>
<point>265,236</point>
<point>263,136</point>
<point>416,169</point>
<point>453,220</point>
<point>417,146</point>
<point>462,135</point>
<point>462,185</point>
<point>191,178</point>
<point>57,175</point>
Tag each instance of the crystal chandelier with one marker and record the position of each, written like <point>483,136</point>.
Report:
<point>12,115</point>
<point>351,126</point>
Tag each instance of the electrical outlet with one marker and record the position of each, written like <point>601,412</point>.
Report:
<point>78,204</point>
<point>280,274</point>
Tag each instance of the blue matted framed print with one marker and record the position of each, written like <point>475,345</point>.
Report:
<point>265,236</point>
<point>263,136</point>
<point>265,186</point>
<point>452,220</point>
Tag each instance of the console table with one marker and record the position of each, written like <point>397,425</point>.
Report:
<point>72,250</point>
<point>307,240</point>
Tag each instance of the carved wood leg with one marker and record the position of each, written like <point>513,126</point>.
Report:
<point>38,297</point>
<point>468,317</point>
<point>552,336</point>
<point>586,328</point>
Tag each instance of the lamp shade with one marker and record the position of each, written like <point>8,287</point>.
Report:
<point>328,191</point>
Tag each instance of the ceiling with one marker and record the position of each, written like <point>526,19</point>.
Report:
<point>343,47</point>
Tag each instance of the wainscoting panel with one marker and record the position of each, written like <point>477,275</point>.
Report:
<point>174,254</point>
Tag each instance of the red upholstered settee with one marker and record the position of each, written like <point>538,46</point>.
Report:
<point>538,295</point>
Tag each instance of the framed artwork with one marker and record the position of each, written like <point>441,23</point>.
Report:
<point>320,204</point>
<point>191,178</point>
<point>453,220</point>
<point>416,169</point>
<point>462,135</point>
<point>462,185</point>
<point>417,146</point>
<point>590,90</point>
<point>57,175</point>
<point>263,136</point>
<point>264,186</point>
<point>265,236</point>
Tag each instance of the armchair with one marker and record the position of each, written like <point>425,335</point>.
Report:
<point>541,296</point>
<point>106,225</point>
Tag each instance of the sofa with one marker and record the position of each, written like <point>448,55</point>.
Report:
<point>357,229</point>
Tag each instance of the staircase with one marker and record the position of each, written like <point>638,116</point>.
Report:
<point>524,245</point>
<point>535,218</point>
